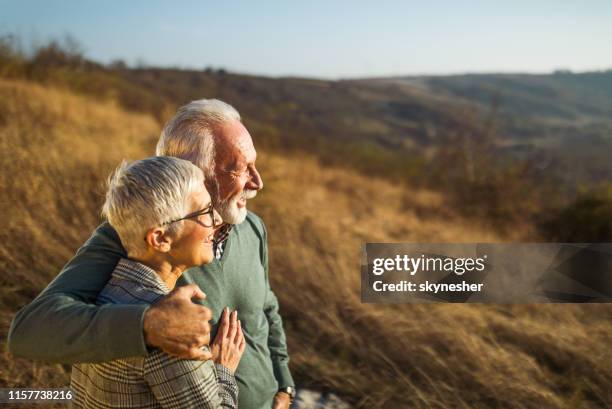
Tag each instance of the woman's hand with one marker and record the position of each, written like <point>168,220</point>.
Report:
<point>229,344</point>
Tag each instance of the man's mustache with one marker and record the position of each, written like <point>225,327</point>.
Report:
<point>249,193</point>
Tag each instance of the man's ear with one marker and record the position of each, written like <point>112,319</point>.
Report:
<point>158,239</point>
<point>210,186</point>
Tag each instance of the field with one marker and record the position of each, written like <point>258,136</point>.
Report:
<point>56,149</point>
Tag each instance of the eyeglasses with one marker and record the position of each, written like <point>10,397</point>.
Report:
<point>208,221</point>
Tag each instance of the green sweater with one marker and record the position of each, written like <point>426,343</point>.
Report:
<point>63,325</point>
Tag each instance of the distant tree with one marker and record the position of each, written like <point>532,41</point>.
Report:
<point>9,47</point>
<point>480,181</point>
<point>562,71</point>
<point>141,64</point>
<point>12,59</point>
<point>72,47</point>
<point>118,64</point>
<point>66,52</point>
<point>588,219</point>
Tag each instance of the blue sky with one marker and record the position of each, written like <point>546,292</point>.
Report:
<point>329,39</point>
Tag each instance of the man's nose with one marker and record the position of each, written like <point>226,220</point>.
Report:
<point>255,182</point>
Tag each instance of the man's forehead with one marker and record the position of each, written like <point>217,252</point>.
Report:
<point>233,136</point>
<point>245,143</point>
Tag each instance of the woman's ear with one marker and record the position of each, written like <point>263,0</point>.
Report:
<point>158,239</point>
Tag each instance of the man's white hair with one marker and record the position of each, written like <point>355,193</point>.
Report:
<point>189,134</point>
<point>148,193</point>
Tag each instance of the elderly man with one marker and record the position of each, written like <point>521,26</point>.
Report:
<point>64,325</point>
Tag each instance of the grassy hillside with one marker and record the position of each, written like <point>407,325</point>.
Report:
<point>561,122</point>
<point>564,96</point>
<point>56,149</point>
<point>482,133</point>
<point>389,127</point>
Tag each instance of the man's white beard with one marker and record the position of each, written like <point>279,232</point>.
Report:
<point>229,210</point>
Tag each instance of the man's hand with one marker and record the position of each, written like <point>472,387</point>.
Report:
<point>282,400</point>
<point>178,326</point>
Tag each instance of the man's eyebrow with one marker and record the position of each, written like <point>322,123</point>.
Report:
<point>237,163</point>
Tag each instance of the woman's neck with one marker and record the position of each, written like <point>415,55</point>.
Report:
<point>165,270</point>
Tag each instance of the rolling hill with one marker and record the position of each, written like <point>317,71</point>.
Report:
<point>559,124</point>
<point>57,148</point>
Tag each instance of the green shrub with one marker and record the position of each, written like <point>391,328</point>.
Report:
<point>587,219</point>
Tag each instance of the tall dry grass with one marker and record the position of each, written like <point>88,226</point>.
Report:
<point>56,150</point>
<point>414,356</point>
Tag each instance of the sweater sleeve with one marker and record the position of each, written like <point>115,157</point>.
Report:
<point>63,325</point>
<point>277,342</point>
<point>228,388</point>
<point>183,383</point>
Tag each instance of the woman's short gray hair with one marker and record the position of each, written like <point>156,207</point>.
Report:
<point>189,133</point>
<point>147,193</point>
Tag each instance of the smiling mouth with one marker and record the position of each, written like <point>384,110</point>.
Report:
<point>208,241</point>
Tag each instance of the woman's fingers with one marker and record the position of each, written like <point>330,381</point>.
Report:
<point>239,334</point>
<point>233,326</point>
<point>225,323</point>
<point>242,342</point>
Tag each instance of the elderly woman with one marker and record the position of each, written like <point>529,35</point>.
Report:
<point>164,217</point>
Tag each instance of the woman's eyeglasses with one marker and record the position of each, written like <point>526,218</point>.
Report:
<point>205,217</point>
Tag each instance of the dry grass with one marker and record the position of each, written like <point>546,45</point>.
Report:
<point>56,150</point>
<point>423,356</point>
